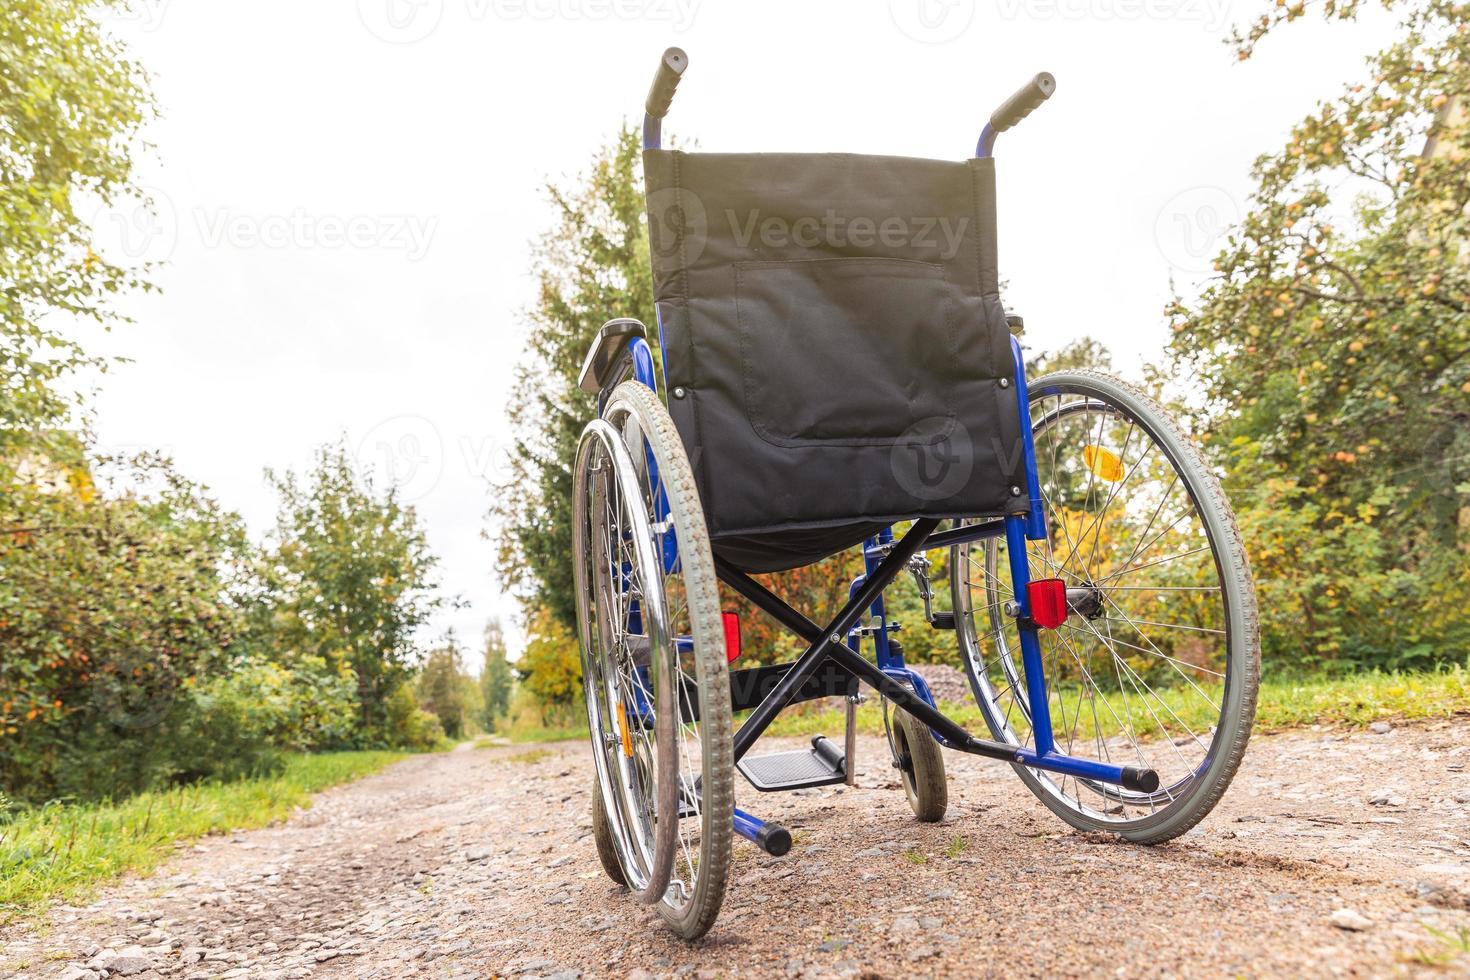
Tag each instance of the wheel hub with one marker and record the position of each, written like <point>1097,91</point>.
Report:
<point>1086,601</point>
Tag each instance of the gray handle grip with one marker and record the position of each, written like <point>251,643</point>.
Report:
<point>1021,105</point>
<point>670,69</point>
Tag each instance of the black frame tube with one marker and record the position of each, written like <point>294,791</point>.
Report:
<point>822,641</point>
<point>766,600</point>
<point>845,657</point>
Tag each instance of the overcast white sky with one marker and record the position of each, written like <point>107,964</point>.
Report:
<point>347,189</point>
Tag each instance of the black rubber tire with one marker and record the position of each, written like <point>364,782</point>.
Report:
<point>1233,730</point>
<point>921,767</point>
<point>602,836</point>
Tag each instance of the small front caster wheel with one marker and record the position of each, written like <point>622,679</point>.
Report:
<point>921,765</point>
<point>602,834</point>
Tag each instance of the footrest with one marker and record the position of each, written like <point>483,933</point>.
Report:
<point>821,765</point>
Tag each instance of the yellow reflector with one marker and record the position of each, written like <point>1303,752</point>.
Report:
<point>623,731</point>
<point>1104,463</point>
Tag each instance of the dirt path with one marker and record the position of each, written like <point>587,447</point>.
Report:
<point>480,863</point>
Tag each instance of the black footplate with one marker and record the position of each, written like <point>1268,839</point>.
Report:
<point>821,765</point>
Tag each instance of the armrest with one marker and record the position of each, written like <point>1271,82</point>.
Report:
<point>607,349</point>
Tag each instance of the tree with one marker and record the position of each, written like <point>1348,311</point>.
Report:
<point>72,105</point>
<point>1334,343</point>
<point>592,266</point>
<point>349,580</point>
<point>112,609</point>
<point>495,677</point>
<point>550,667</point>
<point>441,688</point>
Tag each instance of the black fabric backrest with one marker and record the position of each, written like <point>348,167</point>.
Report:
<point>834,323</point>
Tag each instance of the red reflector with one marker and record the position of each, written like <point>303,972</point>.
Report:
<point>732,637</point>
<point>1048,599</point>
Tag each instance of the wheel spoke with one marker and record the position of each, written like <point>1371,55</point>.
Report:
<point>1155,633</point>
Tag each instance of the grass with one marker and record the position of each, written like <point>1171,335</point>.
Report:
<point>63,851</point>
<point>1448,948</point>
<point>1284,703</point>
<point>521,734</point>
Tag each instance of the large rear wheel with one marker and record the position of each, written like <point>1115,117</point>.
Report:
<point>653,660</point>
<point>1158,662</point>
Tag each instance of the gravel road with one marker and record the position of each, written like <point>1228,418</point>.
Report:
<point>1334,854</point>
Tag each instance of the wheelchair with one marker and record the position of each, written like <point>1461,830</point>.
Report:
<point>837,372</point>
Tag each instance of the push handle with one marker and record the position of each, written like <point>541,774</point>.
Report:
<point>1021,105</point>
<point>662,93</point>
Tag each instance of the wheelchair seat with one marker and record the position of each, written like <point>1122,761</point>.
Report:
<point>835,348</point>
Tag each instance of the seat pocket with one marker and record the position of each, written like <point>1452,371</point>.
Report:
<point>846,351</point>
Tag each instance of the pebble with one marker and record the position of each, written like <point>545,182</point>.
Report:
<point>1380,728</point>
<point>1350,920</point>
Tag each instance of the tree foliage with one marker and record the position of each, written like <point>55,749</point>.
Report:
<point>72,104</point>
<point>550,668</point>
<point>496,678</point>
<point>144,639</point>
<point>1335,348</point>
<point>441,688</point>
<point>590,267</point>
<point>112,608</point>
<point>348,580</point>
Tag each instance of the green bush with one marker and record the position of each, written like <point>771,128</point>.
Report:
<point>410,726</point>
<point>110,608</point>
<point>243,724</point>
